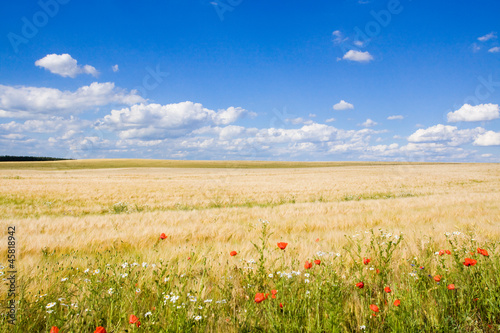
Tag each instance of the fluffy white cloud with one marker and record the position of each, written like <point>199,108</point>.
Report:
<point>330,120</point>
<point>451,134</point>
<point>481,112</point>
<point>299,120</point>
<point>495,49</point>
<point>358,56</point>
<point>64,65</point>
<point>156,121</point>
<point>369,123</point>
<point>343,105</point>
<point>29,102</point>
<point>491,35</point>
<point>115,68</point>
<point>395,117</point>
<point>489,138</point>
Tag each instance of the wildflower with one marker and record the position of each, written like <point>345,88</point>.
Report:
<point>208,301</point>
<point>483,252</point>
<point>197,318</point>
<point>451,287</point>
<point>259,297</point>
<point>100,329</point>
<point>144,264</point>
<point>308,265</point>
<point>270,275</point>
<point>397,302</point>
<point>362,327</point>
<point>441,252</point>
<point>281,305</point>
<point>54,329</point>
<point>124,275</point>
<point>97,271</point>
<point>374,308</point>
<point>387,289</point>
<point>132,319</point>
<point>317,262</point>
<point>469,262</point>
<point>360,285</point>
<point>447,251</point>
<point>148,314</point>
<point>87,270</point>
<point>110,291</point>
<point>282,245</point>
<point>50,305</point>
<point>274,292</point>
<point>421,267</point>
<point>366,261</point>
<point>306,281</point>
<point>63,279</point>
<point>163,236</point>
<point>437,278</point>
<point>233,253</point>
<point>377,271</point>
<point>317,239</point>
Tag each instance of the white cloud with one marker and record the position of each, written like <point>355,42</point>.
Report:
<point>358,56</point>
<point>486,155</point>
<point>359,43</point>
<point>396,117</point>
<point>489,138</point>
<point>369,123</point>
<point>495,49</point>
<point>156,121</point>
<point>343,105</point>
<point>64,65</point>
<point>491,35</point>
<point>338,37</point>
<point>299,120</point>
<point>115,68</point>
<point>450,134</point>
<point>26,102</point>
<point>475,47</point>
<point>330,120</point>
<point>481,112</point>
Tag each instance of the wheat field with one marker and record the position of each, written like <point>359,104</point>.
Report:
<point>211,210</point>
<point>70,217</point>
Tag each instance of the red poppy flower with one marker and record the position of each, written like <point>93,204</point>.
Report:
<point>317,261</point>
<point>360,285</point>
<point>100,329</point>
<point>366,261</point>
<point>132,319</point>
<point>469,262</point>
<point>54,329</point>
<point>483,252</point>
<point>308,265</point>
<point>233,253</point>
<point>259,297</point>
<point>437,278</point>
<point>374,308</point>
<point>317,239</point>
<point>137,323</point>
<point>281,305</point>
<point>378,271</point>
<point>273,293</point>
<point>451,287</point>
<point>387,289</point>
<point>397,302</point>
<point>441,252</point>
<point>447,251</point>
<point>282,245</point>
<point>163,236</point>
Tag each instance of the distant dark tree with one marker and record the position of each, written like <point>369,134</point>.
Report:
<point>8,158</point>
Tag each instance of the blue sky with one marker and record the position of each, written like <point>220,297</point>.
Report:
<point>238,79</point>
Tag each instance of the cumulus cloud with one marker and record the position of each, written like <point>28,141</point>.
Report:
<point>481,112</point>
<point>343,105</point>
<point>495,49</point>
<point>64,65</point>
<point>489,138</point>
<point>369,123</point>
<point>396,117</point>
<point>451,134</point>
<point>155,121</point>
<point>358,56</point>
<point>491,35</point>
<point>26,102</point>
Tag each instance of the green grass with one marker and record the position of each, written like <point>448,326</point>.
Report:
<point>218,294</point>
<point>145,163</point>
